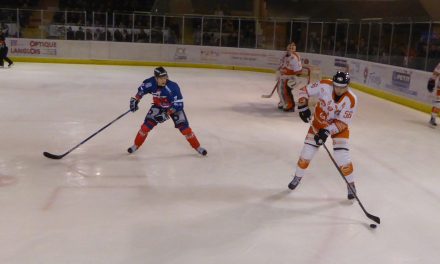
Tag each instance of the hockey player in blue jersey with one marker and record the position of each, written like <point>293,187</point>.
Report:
<point>167,102</point>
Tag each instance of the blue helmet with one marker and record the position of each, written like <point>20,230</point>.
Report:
<point>160,72</point>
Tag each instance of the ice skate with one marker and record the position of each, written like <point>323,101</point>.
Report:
<point>432,122</point>
<point>350,193</point>
<point>202,151</point>
<point>10,65</point>
<point>132,149</point>
<point>294,183</point>
<point>280,106</point>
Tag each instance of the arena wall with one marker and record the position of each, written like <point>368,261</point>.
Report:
<point>400,85</point>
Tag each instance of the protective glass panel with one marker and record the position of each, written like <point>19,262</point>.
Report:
<point>353,39</point>
<point>123,27</point>
<point>56,27</point>
<point>328,38</point>
<point>265,34</point>
<point>142,28</point>
<point>229,32</point>
<point>174,28</point>
<point>157,29</point>
<point>434,47</point>
<point>211,31</point>
<point>314,41</point>
<point>247,34</point>
<point>400,45</point>
<point>193,31</point>
<point>299,35</point>
<point>419,46</point>
<point>341,39</point>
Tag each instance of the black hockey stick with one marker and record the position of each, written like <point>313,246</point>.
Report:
<point>273,91</point>
<point>53,156</point>
<point>372,217</point>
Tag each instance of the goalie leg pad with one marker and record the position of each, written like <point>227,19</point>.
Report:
<point>280,94</point>
<point>289,104</point>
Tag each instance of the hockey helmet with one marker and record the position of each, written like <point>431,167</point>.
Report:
<point>160,72</point>
<point>341,79</point>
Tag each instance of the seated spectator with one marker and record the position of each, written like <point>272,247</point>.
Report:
<point>142,36</point>
<point>117,35</point>
<point>89,35</point>
<point>80,35</point>
<point>70,34</point>
<point>4,28</point>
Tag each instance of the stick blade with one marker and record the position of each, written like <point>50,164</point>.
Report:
<point>374,218</point>
<point>52,156</point>
<point>265,96</point>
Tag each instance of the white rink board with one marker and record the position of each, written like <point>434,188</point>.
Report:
<point>403,82</point>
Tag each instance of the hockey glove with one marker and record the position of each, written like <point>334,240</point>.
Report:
<point>171,110</point>
<point>134,104</point>
<point>304,113</point>
<point>161,117</point>
<point>321,136</point>
<point>431,85</point>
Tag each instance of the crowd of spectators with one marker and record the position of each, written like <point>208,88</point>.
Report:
<point>114,21</point>
<point>8,13</point>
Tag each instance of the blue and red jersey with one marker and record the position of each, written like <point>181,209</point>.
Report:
<point>166,97</point>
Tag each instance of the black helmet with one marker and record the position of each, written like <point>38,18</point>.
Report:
<point>341,79</point>
<point>160,72</point>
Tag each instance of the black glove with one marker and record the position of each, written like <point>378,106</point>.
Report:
<point>304,113</point>
<point>134,104</point>
<point>321,136</point>
<point>161,117</point>
<point>431,85</point>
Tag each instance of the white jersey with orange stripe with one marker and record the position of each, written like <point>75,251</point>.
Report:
<point>290,64</point>
<point>436,72</point>
<point>436,77</point>
<point>332,113</point>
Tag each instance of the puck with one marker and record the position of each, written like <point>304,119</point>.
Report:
<point>373,225</point>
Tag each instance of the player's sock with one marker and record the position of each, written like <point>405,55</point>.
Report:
<point>191,138</point>
<point>140,138</point>
<point>350,193</point>
<point>295,182</point>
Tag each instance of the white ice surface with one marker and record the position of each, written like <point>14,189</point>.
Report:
<point>167,204</point>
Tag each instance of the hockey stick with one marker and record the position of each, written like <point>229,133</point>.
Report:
<point>273,91</point>
<point>372,217</point>
<point>53,156</point>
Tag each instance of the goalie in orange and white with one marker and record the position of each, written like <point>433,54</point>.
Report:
<point>288,78</point>
<point>431,87</point>
<point>334,111</point>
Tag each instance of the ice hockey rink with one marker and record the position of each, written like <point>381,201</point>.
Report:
<point>167,204</point>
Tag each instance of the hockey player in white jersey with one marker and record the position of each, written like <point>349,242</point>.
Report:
<point>431,88</point>
<point>334,111</point>
<point>288,78</point>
